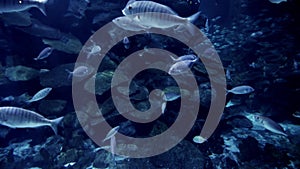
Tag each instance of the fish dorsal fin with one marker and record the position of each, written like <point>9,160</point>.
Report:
<point>130,2</point>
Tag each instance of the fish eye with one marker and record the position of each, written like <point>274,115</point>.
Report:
<point>129,7</point>
<point>20,1</point>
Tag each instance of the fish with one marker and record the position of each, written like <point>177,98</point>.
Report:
<point>154,15</point>
<point>231,103</point>
<point>126,42</point>
<point>40,95</point>
<point>170,96</point>
<point>269,124</point>
<point>44,53</point>
<point>199,139</point>
<point>127,23</point>
<point>228,76</point>
<point>134,7</point>
<point>277,1</point>
<point>181,67</point>
<point>8,99</point>
<point>184,57</point>
<point>15,117</point>
<point>80,71</point>
<point>241,90</point>
<point>7,6</point>
<point>111,133</point>
<point>163,21</point>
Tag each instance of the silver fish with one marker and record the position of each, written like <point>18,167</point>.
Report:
<point>184,57</point>
<point>111,133</point>
<point>170,96</point>
<point>162,20</point>
<point>40,95</point>
<point>128,23</point>
<point>134,7</point>
<point>199,139</point>
<point>277,1</point>
<point>7,6</point>
<point>181,67</point>
<point>241,90</point>
<point>269,124</point>
<point>44,53</point>
<point>154,15</point>
<point>15,117</point>
<point>80,71</point>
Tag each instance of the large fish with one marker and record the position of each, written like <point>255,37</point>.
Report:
<point>15,117</point>
<point>269,124</point>
<point>7,6</point>
<point>155,15</point>
<point>134,7</point>
<point>128,23</point>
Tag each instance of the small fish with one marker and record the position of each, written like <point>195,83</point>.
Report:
<point>199,139</point>
<point>93,50</point>
<point>256,34</point>
<point>129,24</point>
<point>15,117</point>
<point>184,57</point>
<point>111,133</point>
<point>44,53</point>
<point>8,99</point>
<point>80,71</point>
<point>181,67</point>
<point>231,103</point>
<point>40,95</point>
<point>241,90</point>
<point>126,42</point>
<point>206,25</point>
<point>134,7</point>
<point>170,96</point>
<point>277,1</point>
<point>7,6</point>
<point>269,124</point>
<point>228,76</point>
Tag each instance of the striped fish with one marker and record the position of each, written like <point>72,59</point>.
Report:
<point>40,95</point>
<point>134,7</point>
<point>7,6</point>
<point>15,117</point>
<point>154,15</point>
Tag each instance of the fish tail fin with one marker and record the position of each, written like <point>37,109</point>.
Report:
<point>42,8</point>
<point>194,17</point>
<point>172,57</point>
<point>70,74</point>
<point>54,124</point>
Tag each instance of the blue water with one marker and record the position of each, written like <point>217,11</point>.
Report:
<point>257,42</point>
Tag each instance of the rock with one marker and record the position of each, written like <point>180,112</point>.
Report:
<point>21,73</point>
<point>57,77</point>
<point>51,107</point>
<point>184,155</point>
<point>68,43</point>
